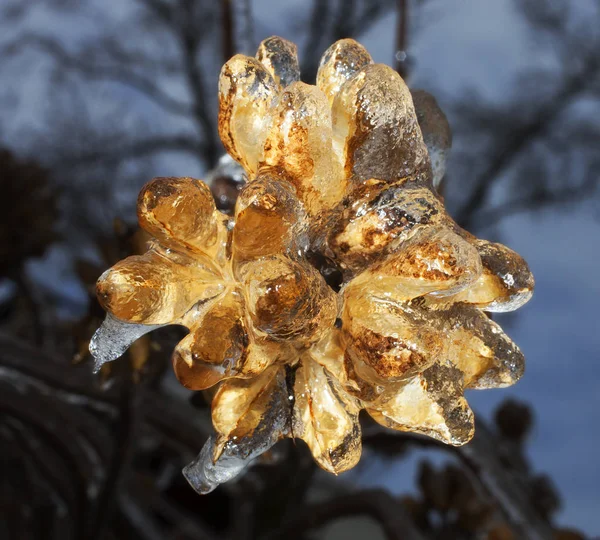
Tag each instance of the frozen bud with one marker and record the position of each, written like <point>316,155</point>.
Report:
<point>216,347</point>
<point>280,57</point>
<point>338,64</point>
<point>436,132</point>
<point>390,338</point>
<point>255,409</point>
<point>269,220</point>
<point>374,120</point>
<point>339,283</point>
<point>478,347</point>
<point>376,218</point>
<point>152,289</point>
<point>179,211</point>
<point>326,418</point>
<point>299,146</point>
<point>288,299</point>
<point>506,282</point>
<point>432,404</point>
<point>433,261</point>
<point>246,93</point>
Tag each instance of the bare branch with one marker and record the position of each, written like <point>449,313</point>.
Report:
<point>402,37</point>
<point>227,30</point>
<point>190,43</point>
<point>245,27</point>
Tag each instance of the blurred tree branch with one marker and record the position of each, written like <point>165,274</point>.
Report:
<point>105,59</point>
<point>507,152</point>
<point>122,74</point>
<point>515,144</point>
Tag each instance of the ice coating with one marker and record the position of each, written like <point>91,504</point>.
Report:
<point>255,411</point>
<point>340,63</point>
<point>436,132</point>
<point>506,282</point>
<point>205,474</point>
<point>326,418</point>
<point>431,404</point>
<point>376,218</point>
<point>280,58</point>
<point>299,146</point>
<point>389,337</point>
<point>374,116</point>
<point>433,261</point>
<point>336,283</point>
<point>270,220</point>
<point>246,93</point>
<point>204,356</point>
<point>179,210</point>
<point>114,337</point>
<point>288,300</point>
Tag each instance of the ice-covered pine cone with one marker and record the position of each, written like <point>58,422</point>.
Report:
<point>337,173</point>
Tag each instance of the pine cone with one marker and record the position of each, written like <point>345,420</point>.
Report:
<point>338,172</point>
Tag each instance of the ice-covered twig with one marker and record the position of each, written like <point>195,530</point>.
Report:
<point>114,337</point>
<point>204,475</point>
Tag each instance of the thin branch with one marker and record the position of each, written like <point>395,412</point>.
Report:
<point>344,20</point>
<point>348,21</point>
<point>482,457</point>
<point>189,41</point>
<point>124,438</point>
<point>402,37</point>
<point>227,30</point>
<point>121,75</point>
<point>244,27</point>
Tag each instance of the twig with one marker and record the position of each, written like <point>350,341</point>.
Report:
<point>189,42</point>
<point>125,433</point>
<point>482,456</point>
<point>245,27</point>
<point>25,289</point>
<point>402,37</point>
<point>227,30</point>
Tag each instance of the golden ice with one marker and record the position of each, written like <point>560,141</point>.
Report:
<point>340,283</point>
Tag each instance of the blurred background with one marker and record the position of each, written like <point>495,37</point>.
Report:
<point>99,96</point>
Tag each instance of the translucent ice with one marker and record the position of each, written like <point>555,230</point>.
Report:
<point>114,337</point>
<point>337,283</point>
